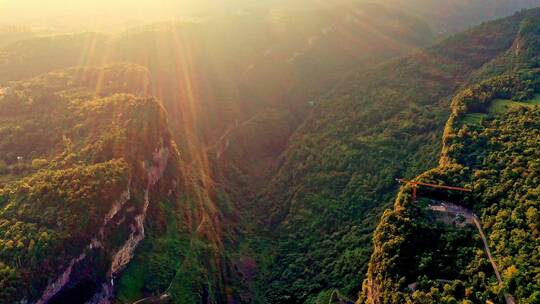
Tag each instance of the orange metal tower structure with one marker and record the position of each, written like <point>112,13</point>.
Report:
<point>415,186</point>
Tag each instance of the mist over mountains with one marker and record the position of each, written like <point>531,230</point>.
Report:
<point>248,151</point>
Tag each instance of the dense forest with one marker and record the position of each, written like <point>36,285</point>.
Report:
<point>491,146</point>
<point>253,158</point>
<point>81,154</point>
<point>339,172</point>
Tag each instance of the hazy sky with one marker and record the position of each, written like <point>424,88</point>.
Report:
<point>104,14</point>
<point>43,8</point>
<point>60,12</point>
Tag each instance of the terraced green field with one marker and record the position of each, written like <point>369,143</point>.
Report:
<point>500,106</point>
<point>474,118</point>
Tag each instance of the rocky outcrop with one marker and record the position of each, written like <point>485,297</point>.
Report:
<point>126,252</point>
<point>54,287</point>
<point>123,255</point>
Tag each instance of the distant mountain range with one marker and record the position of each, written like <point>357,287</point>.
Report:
<point>252,158</point>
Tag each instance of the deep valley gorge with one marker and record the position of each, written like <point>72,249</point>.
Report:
<point>285,152</point>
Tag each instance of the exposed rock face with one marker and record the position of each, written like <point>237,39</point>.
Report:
<point>123,255</point>
<point>64,278</point>
<point>53,288</point>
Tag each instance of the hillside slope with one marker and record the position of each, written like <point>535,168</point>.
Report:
<point>84,160</point>
<point>490,145</point>
<point>261,71</point>
<point>338,173</point>
<point>97,126</point>
<point>454,16</point>
<point>99,204</point>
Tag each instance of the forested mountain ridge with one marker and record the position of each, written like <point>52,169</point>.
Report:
<point>34,117</point>
<point>12,34</point>
<point>443,17</point>
<point>178,180</point>
<point>214,73</point>
<point>87,124</point>
<point>490,145</point>
<point>339,171</point>
<point>454,16</point>
<point>84,160</point>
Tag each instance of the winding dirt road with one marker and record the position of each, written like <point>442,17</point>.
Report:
<point>509,298</point>
<point>470,217</point>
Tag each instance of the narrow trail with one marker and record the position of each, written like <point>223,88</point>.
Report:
<point>509,298</point>
<point>228,132</point>
<point>486,249</point>
<point>218,144</point>
<point>470,217</point>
